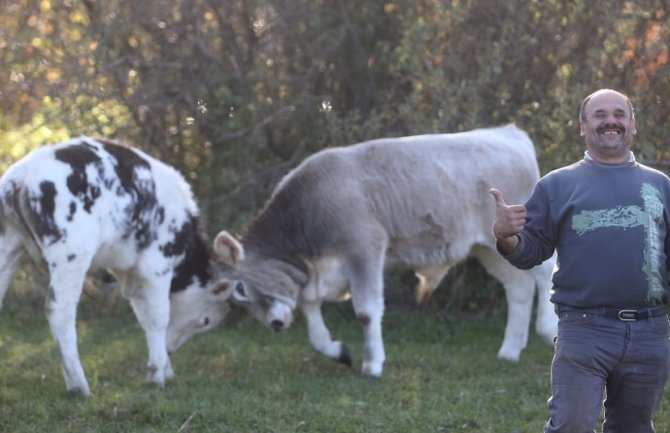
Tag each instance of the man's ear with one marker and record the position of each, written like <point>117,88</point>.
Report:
<point>582,132</point>
<point>228,248</point>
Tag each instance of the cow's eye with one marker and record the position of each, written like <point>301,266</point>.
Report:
<point>240,295</point>
<point>239,288</point>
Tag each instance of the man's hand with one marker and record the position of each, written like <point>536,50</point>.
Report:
<point>508,222</point>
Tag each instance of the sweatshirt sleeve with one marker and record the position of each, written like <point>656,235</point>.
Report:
<point>667,254</point>
<point>537,239</point>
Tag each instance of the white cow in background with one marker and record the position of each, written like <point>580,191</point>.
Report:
<point>92,203</point>
<point>333,223</point>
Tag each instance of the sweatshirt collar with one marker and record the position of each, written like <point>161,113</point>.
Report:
<point>631,158</point>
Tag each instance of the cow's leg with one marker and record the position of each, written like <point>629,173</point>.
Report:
<point>546,322</point>
<point>319,336</point>
<point>65,287</point>
<point>519,288</point>
<point>429,278</point>
<point>150,300</point>
<point>365,268</point>
<point>11,255</point>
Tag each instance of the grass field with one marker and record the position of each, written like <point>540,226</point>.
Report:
<point>441,375</point>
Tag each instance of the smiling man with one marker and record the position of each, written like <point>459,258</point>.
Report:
<point>607,123</point>
<point>607,217</point>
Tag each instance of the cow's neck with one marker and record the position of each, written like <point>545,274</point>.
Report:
<point>194,268</point>
<point>263,249</point>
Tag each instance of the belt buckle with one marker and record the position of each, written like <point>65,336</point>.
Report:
<point>627,315</point>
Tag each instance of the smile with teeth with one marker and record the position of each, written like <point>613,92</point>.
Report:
<point>610,131</point>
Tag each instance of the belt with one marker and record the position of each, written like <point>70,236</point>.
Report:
<point>624,314</point>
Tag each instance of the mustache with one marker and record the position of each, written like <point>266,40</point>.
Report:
<point>603,128</point>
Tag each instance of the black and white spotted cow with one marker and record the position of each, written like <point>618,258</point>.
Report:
<point>333,223</point>
<point>90,203</point>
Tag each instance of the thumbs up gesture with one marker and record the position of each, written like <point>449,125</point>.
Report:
<point>508,222</point>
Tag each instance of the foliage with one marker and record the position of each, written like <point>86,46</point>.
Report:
<point>237,92</point>
<point>21,140</point>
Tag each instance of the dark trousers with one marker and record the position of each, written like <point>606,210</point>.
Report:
<point>596,356</point>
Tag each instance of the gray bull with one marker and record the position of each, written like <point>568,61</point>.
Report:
<point>336,220</point>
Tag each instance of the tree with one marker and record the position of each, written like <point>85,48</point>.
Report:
<point>236,92</point>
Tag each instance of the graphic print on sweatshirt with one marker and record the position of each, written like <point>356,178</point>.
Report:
<point>627,217</point>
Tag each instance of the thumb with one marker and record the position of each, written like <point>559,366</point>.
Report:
<point>497,195</point>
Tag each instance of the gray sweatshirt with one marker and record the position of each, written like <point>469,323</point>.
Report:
<point>609,225</point>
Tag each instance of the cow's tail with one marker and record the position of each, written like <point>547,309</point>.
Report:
<point>546,324</point>
<point>16,236</point>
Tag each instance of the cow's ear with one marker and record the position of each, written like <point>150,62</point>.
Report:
<point>222,290</point>
<point>228,248</point>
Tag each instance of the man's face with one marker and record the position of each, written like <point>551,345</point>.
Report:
<point>608,128</point>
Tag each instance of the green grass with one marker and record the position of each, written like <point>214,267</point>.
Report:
<point>441,375</point>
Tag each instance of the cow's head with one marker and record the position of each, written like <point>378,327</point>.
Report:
<point>267,288</point>
<point>195,310</point>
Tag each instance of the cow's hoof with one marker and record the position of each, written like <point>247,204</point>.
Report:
<point>154,377</point>
<point>369,376</point>
<point>345,356</point>
<point>169,372</point>
<point>510,356</point>
<point>83,391</point>
<point>153,380</point>
<point>372,369</point>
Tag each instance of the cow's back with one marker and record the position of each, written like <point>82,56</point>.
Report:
<point>101,195</point>
<point>430,192</point>
<point>432,168</point>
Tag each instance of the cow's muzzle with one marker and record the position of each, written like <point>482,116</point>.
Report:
<point>279,316</point>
